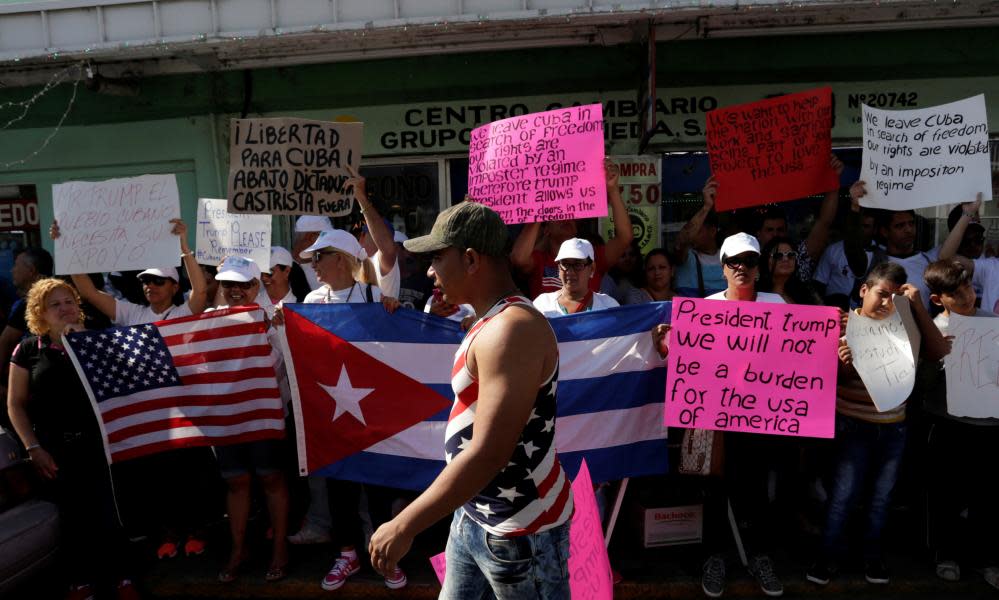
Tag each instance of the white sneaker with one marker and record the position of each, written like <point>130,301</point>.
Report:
<point>308,535</point>
<point>992,576</point>
<point>396,580</point>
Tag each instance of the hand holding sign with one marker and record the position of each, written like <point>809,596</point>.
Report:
<point>884,351</point>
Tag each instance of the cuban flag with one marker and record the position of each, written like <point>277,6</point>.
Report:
<point>371,392</point>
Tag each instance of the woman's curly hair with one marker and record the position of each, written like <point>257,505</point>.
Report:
<point>38,295</point>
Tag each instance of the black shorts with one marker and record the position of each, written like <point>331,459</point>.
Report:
<point>262,457</point>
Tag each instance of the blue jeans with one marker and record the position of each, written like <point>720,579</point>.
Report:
<point>863,449</point>
<point>483,565</point>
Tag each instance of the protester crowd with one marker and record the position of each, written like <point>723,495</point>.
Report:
<point>752,256</point>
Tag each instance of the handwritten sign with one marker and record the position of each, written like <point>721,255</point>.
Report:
<point>926,157</point>
<point>884,354</point>
<point>590,575</point>
<point>116,225</point>
<point>544,166</point>
<point>772,150</point>
<point>754,367</point>
<point>641,188</point>
<point>221,233</point>
<point>292,166</point>
<point>973,367</point>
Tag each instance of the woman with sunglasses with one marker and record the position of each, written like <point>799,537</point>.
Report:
<point>779,273</point>
<point>575,270</point>
<point>748,457</point>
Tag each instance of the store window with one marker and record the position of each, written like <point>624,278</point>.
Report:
<point>18,230</point>
<point>408,193</point>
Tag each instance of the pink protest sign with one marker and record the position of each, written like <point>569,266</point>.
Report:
<point>589,567</point>
<point>752,366</point>
<point>545,166</point>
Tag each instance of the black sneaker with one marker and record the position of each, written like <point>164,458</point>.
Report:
<point>713,577</point>
<point>819,573</point>
<point>762,569</point>
<point>876,572</point>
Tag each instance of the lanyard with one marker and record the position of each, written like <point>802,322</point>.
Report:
<point>583,306</point>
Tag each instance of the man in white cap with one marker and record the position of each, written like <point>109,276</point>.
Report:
<point>276,280</point>
<point>377,239</point>
<point>575,269</point>
<point>307,230</point>
<point>159,285</point>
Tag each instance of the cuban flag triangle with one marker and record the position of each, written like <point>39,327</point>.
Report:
<point>371,392</point>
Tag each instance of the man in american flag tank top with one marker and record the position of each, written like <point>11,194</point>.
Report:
<point>510,497</point>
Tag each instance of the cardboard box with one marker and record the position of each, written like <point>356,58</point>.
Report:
<point>672,525</point>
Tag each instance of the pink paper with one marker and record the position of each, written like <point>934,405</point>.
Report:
<point>752,366</point>
<point>589,567</point>
<point>544,166</point>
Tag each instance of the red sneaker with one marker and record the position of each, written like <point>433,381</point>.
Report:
<point>194,546</point>
<point>397,580</point>
<point>342,569</point>
<point>167,549</point>
<point>127,591</point>
<point>80,592</point>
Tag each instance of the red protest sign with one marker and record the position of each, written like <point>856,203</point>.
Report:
<point>772,150</point>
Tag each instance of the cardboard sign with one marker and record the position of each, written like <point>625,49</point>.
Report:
<point>116,225</point>
<point>752,366</point>
<point>926,157</point>
<point>772,150</point>
<point>590,575</point>
<point>973,367</point>
<point>292,166</point>
<point>221,233</point>
<point>884,354</point>
<point>641,189</point>
<point>545,166</point>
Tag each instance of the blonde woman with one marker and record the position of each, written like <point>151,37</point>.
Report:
<point>53,416</point>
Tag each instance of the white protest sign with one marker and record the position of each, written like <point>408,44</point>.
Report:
<point>973,367</point>
<point>221,234</point>
<point>884,354</point>
<point>926,157</point>
<point>116,225</point>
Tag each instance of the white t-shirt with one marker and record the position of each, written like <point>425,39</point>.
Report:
<point>914,267</point>
<point>126,313</point>
<point>547,304</point>
<point>760,297</point>
<point>834,270</point>
<point>464,310</point>
<point>986,278</point>
<point>389,284</point>
<point>353,294</point>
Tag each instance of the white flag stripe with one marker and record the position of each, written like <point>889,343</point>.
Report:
<point>196,432</point>
<point>589,359</point>
<point>532,511</point>
<point>200,389</point>
<point>169,328</point>
<point>426,363</point>
<point>191,412</point>
<point>237,341</point>
<point>574,433</point>
<point>224,366</point>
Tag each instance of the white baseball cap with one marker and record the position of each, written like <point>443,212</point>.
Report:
<point>399,237</point>
<point>337,239</point>
<point>737,244</point>
<point>238,268</point>
<point>575,248</point>
<point>280,256</point>
<point>307,223</point>
<point>169,273</point>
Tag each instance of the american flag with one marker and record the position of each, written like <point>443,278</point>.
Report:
<point>205,380</point>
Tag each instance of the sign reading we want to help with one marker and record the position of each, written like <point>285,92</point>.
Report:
<point>292,166</point>
<point>753,367</point>
<point>541,167</point>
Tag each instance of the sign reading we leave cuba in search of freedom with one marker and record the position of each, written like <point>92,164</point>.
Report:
<point>546,166</point>
<point>753,367</point>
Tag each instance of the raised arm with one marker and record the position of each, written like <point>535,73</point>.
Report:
<point>970,210</point>
<point>100,300</point>
<point>934,346</point>
<point>623,233</point>
<point>853,239</point>
<point>377,229</point>
<point>818,237</point>
<point>523,246</point>
<point>199,287</point>
<point>685,238</point>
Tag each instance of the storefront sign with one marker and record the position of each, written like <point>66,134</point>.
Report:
<point>541,167</point>
<point>753,367</point>
<point>18,214</point>
<point>221,234</point>
<point>884,354</point>
<point>641,189</point>
<point>926,157</point>
<point>772,150</point>
<point>292,166</point>
<point>116,225</point>
<point>973,367</point>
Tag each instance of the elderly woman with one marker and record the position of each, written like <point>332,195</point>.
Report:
<point>575,269</point>
<point>53,416</point>
<point>239,280</point>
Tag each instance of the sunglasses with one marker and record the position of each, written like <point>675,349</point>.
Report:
<point>322,253</point>
<point>750,262</point>
<point>789,255</point>
<point>153,280</point>
<point>243,285</point>
<point>573,266</point>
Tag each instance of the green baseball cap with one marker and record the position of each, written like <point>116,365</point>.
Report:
<point>465,225</point>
